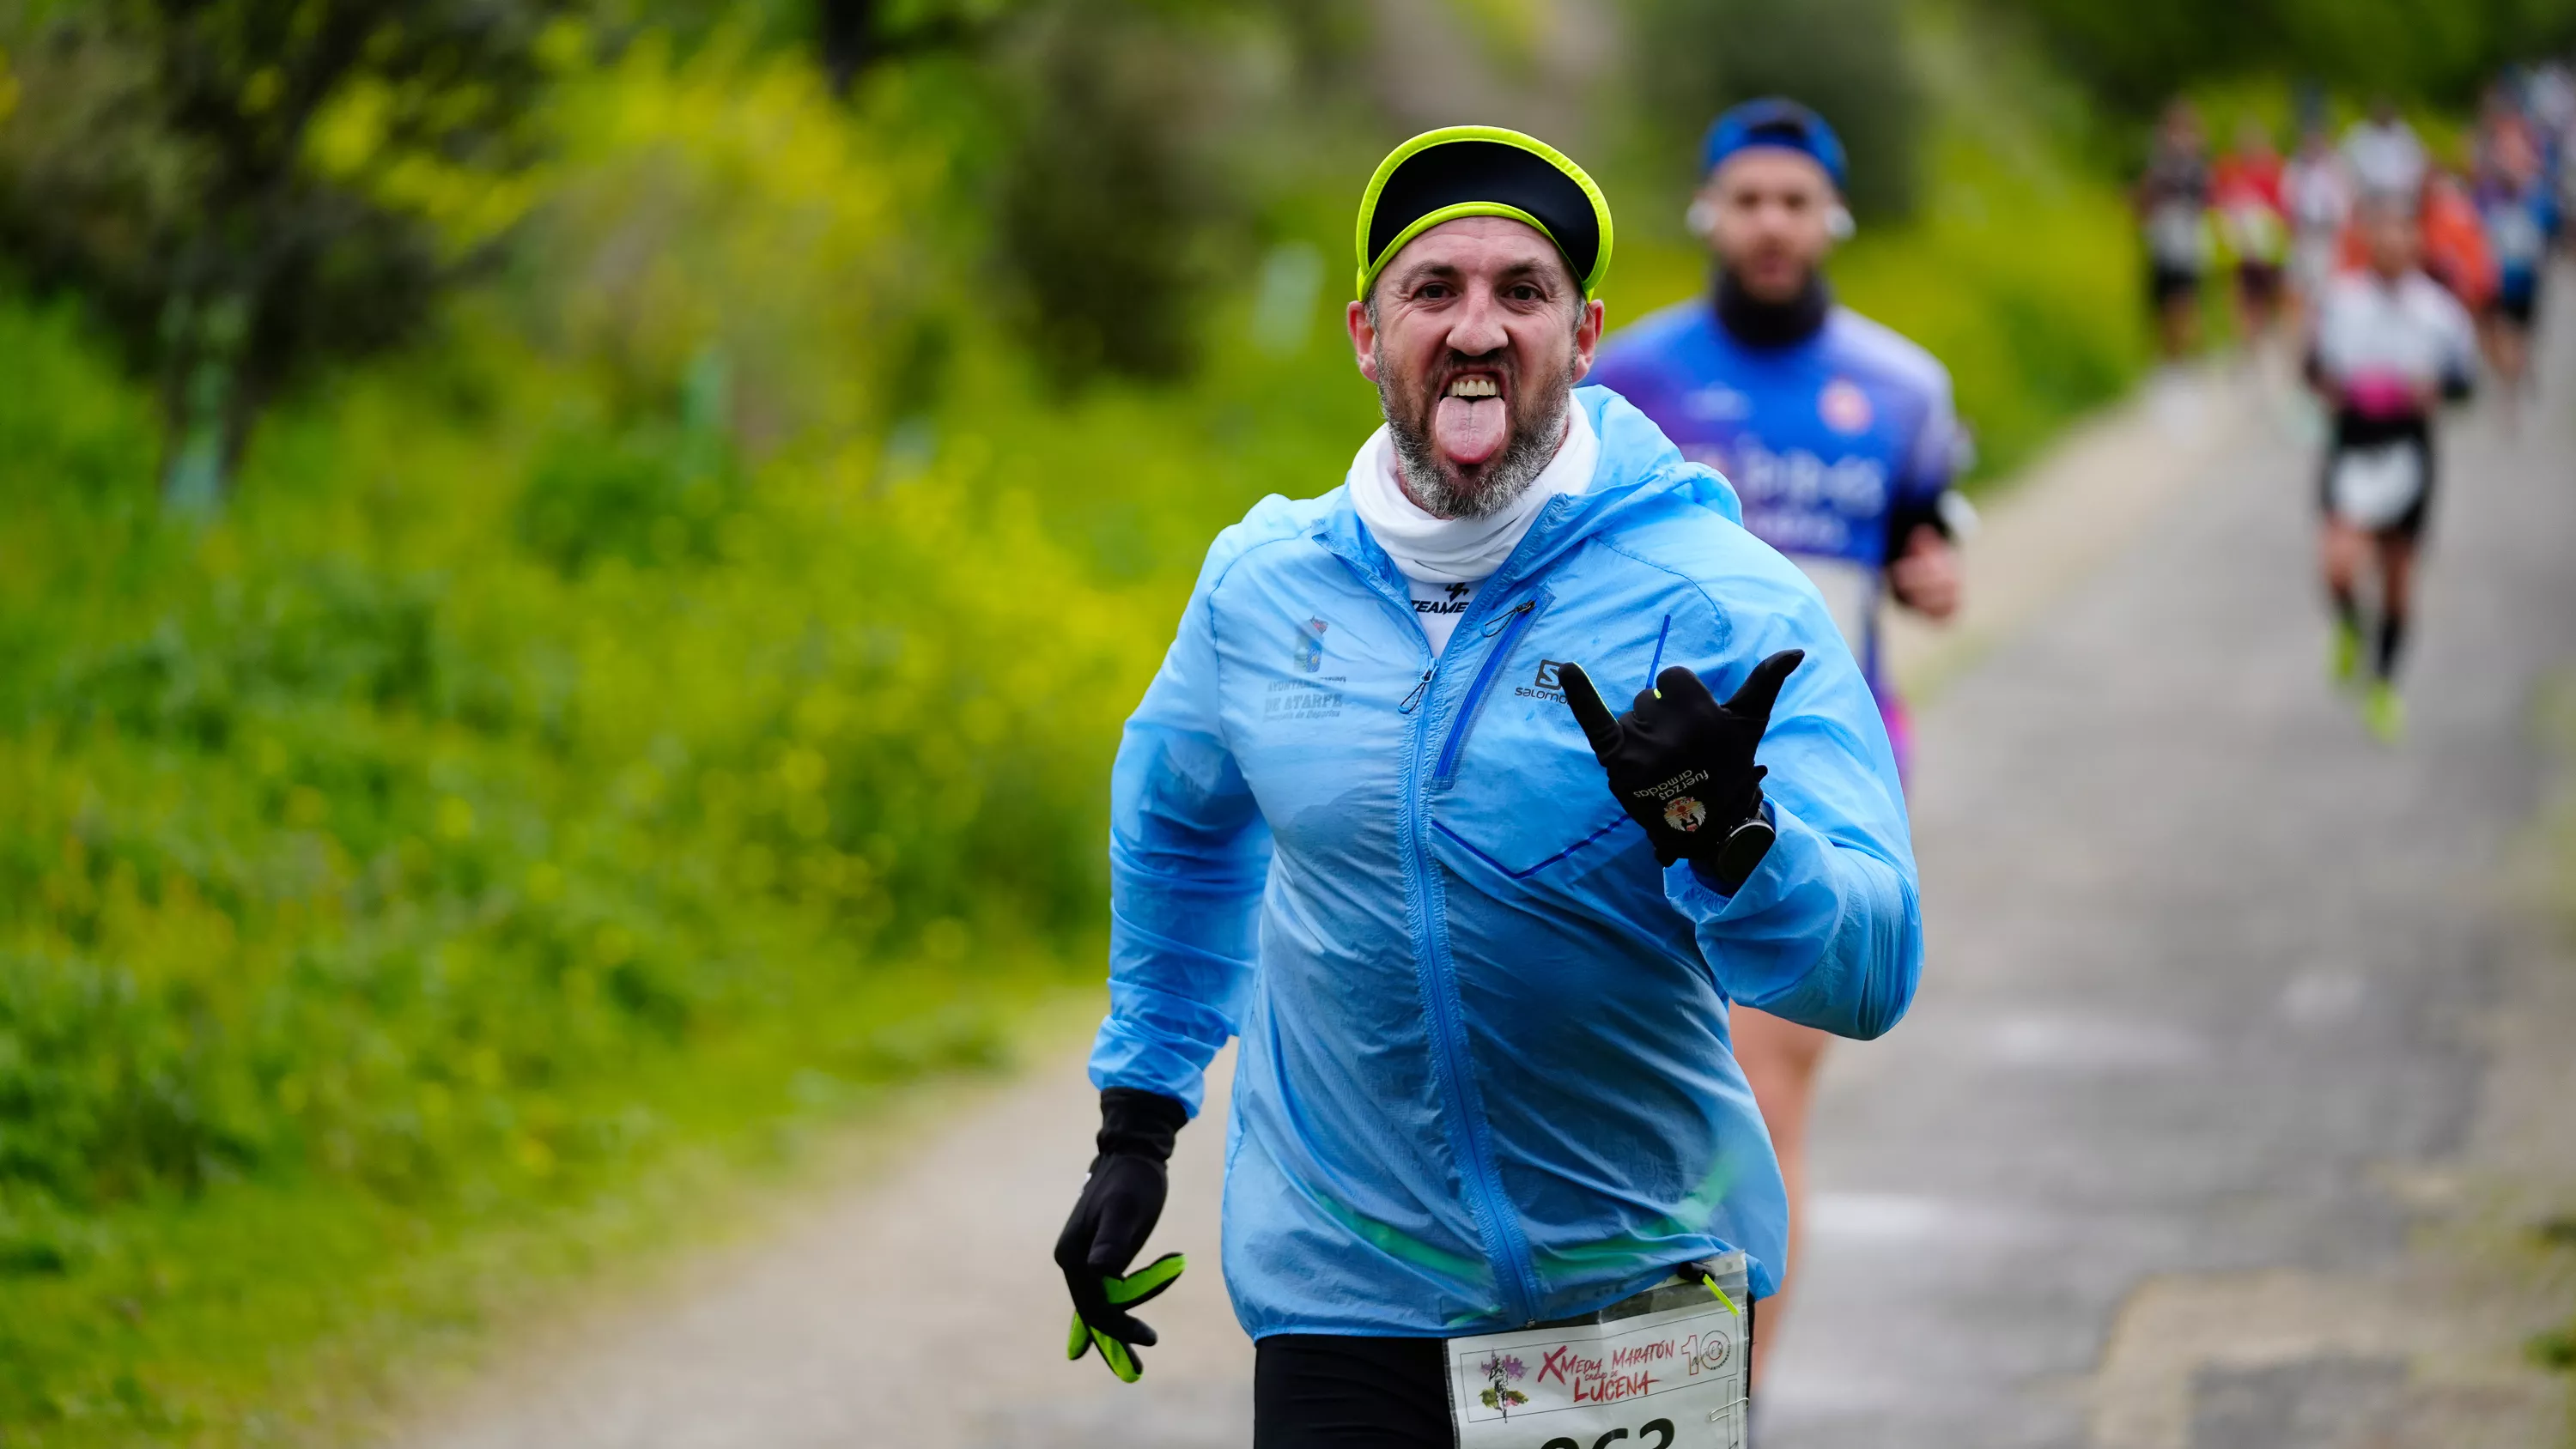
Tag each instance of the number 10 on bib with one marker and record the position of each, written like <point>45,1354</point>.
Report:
<point>1669,1378</point>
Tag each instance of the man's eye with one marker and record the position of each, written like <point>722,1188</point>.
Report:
<point>1432,291</point>
<point>1526,293</point>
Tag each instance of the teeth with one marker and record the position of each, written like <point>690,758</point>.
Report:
<point>1474,387</point>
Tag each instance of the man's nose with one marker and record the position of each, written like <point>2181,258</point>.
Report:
<point>1477,328</point>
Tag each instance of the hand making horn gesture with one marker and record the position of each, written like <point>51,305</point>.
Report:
<point>1681,764</point>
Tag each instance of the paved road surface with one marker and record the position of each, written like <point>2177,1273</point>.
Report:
<point>2200,956</point>
<point>2136,1172</point>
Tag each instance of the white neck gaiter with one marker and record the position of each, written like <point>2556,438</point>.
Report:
<point>1462,550</point>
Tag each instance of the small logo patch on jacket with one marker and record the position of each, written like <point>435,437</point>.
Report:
<point>1545,685</point>
<point>1309,655</point>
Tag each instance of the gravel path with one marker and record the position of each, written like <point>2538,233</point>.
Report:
<point>2196,1047</point>
<point>2193,1054</point>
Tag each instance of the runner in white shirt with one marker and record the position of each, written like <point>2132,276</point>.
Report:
<point>2172,202</point>
<point>2318,194</point>
<point>2384,152</point>
<point>2388,347</point>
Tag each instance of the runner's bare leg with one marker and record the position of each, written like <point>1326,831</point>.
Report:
<point>1780,1060</point>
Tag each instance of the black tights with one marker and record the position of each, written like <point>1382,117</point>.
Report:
<point>1329,1391</point>
<point>2392,631</point>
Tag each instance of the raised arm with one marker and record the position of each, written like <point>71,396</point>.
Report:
<point>1818,922</point>
<point>1827,930</point>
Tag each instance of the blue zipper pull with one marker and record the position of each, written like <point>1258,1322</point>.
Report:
<point>1503,620</point>
<point>1415,697</point>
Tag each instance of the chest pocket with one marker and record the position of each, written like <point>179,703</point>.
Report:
<point>1515,790</point>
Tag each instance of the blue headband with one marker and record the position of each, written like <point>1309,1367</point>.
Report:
<point>1773,121</point>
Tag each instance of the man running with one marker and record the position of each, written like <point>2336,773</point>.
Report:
<point>2318,193</point>
<point>2390,345</point>
<point>1478,937</point>
<point>2520,210</point>
<point>1837,433</point>
<point>2172,201</point>
<point>2246,192</point>
<point>2383,153</point>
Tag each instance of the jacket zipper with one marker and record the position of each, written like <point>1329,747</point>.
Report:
<point>1419,686</point>
<point>1510,627</point>
<point>1506,1249</point>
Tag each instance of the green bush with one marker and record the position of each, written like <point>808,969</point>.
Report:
<point>510,735</point>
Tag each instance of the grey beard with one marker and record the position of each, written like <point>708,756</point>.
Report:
<point>1533,446</point>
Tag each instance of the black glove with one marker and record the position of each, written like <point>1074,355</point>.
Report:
<point>1681,764</point>
<point>1120,1203</point>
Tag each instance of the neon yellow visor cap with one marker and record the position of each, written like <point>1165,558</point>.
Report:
<point>1483,171</point>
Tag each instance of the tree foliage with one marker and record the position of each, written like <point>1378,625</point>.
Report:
<point>2135,56</point>
<point>1100,192</point>
<point>1141,132</point>
<point>245,190</point>
<point>1845,58</point>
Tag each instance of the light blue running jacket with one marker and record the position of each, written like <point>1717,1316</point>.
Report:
<point>1485,1077</point>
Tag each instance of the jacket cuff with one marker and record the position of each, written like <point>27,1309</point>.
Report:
<point>1138,1123</point>
<point>1707,873</point>
<point>1798,857</point>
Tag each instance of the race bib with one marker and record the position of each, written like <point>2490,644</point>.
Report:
<point>2373,487</point>
<point>1664,1369</point>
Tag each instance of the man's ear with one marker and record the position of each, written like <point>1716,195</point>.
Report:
<point>1363,338</point>
<point>1587,336</point>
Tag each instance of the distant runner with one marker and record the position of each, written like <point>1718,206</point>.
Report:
<point>2389,346</point>
<point>2549,95</point>
<point>2317,192</point>
<point>2253,217</point>
<point>2172,202</point>
<point>2451,237</point>
<point>2452,242</point>
<point>2520,210</point>
<point>1837,432</point>
<point>1480,936</point>
<point>2383,153</point>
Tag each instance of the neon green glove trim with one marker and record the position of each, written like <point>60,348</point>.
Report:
<point>1134,1288</point>
<point>1147,1281</point>
<point>1120,1358</point>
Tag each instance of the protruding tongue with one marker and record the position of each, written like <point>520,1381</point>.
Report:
<point>1470,429</point>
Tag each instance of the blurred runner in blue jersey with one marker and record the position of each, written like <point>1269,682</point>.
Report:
<point>2520,209</point>
<point>1837,434</point>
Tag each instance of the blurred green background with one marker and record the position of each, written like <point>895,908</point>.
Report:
<point>569,572</point>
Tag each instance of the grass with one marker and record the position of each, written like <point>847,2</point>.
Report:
<point>302,1311</point>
